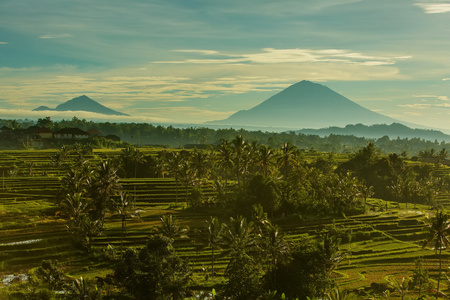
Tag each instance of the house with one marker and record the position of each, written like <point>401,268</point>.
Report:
<point>44,133</point>
<point>94,132</point>
<point>5,129</point>
<point>71,133</point>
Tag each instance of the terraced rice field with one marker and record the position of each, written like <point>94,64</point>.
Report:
<point>382,244</point>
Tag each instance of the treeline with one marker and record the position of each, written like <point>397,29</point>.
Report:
<point>141,134</point>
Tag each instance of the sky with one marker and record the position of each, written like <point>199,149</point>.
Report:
<point>191,61</point>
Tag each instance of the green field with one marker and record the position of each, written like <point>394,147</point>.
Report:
<point>384,243</point>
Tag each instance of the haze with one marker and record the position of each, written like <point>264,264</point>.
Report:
<point>196,61</point>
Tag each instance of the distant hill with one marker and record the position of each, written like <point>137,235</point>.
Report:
<point>393,131</point>
<point>305,105</point>
<point>82,103</point>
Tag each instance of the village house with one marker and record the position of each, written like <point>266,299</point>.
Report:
<point>71,133</point>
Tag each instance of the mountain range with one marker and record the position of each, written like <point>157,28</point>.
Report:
<point>82,103</point>
<point>305,105</point>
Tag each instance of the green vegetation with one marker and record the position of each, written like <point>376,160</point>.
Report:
<point>238,221</point>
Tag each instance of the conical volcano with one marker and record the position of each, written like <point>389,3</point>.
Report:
<point>306,105</point>
<point>83,103</point>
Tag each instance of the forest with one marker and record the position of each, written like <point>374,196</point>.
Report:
<point>145,134</point>
<point>237,220</point>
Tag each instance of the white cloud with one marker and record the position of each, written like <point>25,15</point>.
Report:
<point>444,98</point>
<point>434,8</point>
<point>445,79</point>
<point>55,36</point>
<point>3,43</point>
<point>296,55</point>
<point>205,52</point>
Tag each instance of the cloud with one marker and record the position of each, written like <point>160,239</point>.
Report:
<point>434,8</point>
<point>3,43</point>
<point>205,52</point>
<point>55,36</point>
<point>445,79</point>
<point>296,55</point>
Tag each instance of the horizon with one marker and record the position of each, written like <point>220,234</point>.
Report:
<point>193,62</point>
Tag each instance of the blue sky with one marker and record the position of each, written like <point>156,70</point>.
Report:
<point>190,61</point>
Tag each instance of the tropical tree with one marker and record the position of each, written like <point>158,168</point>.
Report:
<point>287,158</point>
<point>276,248</point>
<point>170,228</point>
<point>123,207</point>
<point>266,159</point>
<point>174,163</point>
<point>106,185</point>
<point>438,237</point>
<point>209,236</point>
<point>225,160</point>
<point>239,146</point>
<point>131,156</point>
<point>155,272</point>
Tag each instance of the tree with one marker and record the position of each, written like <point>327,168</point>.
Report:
<point>209,236</point>
<point>50,273</point>
<point>304,275</point>
<point>105,187</point>
<point>45,122</point>
<point>171,229</point>
<point>276,248</point>
<point>420,279</point>
<point>287,158</point>
<point>266,159</point>
<point>131,157</point>
<point>154,272</point>
<point>123,208</point>
<point>401,287</point>
<point>438,237</point>
<point>174,163</point>
<point>225,160</point>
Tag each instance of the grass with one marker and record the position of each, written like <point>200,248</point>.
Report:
<point>383,243</point>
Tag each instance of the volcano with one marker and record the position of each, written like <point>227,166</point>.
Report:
<point>305,105</point>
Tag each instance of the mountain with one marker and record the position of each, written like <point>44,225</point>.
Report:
<point>305,105</point>
<point>393,131</point>
<point>82,103</point>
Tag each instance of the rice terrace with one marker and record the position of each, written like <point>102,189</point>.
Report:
<point>237,220</point>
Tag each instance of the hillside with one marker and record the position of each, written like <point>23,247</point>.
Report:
<point>305,105</point>
<point>82,103</point>
<point>393,131</point>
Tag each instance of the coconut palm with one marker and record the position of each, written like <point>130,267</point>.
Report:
<point>276,247</point>
<point>439,229</point>
<point>287,158</point>
<point>209,236</point>
<point>239,147</point>
<point>170,228</point>
<point>239,237</point>
<point>106,185</point>
<point>174,163</point>
<point>225,160</point>
<point>265,159</point>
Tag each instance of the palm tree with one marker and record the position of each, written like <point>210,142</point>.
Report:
<point>265,159</point>
<point>133,156</point>
<point>170,228</point>
<point>287,158</point>
<point>239,237</point>
<point>239,147</point>
<point>122,207</point>
<point>276,248</point>
<point>106,185</point>
<point>174,163</point>
<point>225,159</point>
<point>439,229</point>
<point>209,236</point>
<point>331,253</point>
